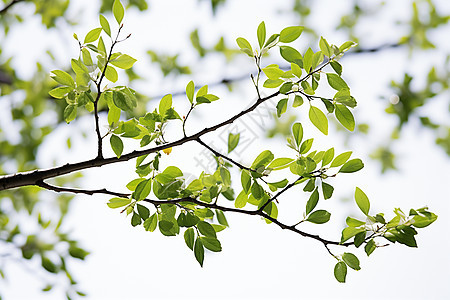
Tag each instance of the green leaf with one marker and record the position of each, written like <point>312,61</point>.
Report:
<point>143,189</point>
<point>245,180</point>
<point>273,72</point>
<point>206,229</point>
<point>151,223</point>
<point>351,260</point>
<point>362,201</point>
<point>344,116</point>
<point>60,92</point>
<point>272,83</point>
<point>190,89</point>
<point>116,145</point>
<point>111,74</point>
<point>312,201</point>
<point>63,78</point>
<point>298,100</point>
<point>257,190</point>
<point>70,113</point>
<point>122,101</point>
<point>354,222</point>
<point>319,119</point>
<point>261,33</point>
<point>290,34</point>
<point>423,221</point>
<point>281,107</point>
<point>87,59</point>
<point>199,251</point>
<point>280,163</point>
<point>221,218</point>
<point>48,265</point>
<point>359,239</point>
<point>211,244</point>
<point>263,159</point>
<point>271,41</point>
<point>233,141</point>
<point>370,247</point>
<point>118,11</point>
<point>306,146</point>
<point>336,67</point>
<point>327,190</point>
<point>297,131</point>
<point>277,185</point>
<point>105,25</point>
<point>346,45</point>
<point>165,104</point>
<point>290,54</point>
<point>325,47</point>
<point>133,183</point>
<point>93,35</point>
<point>341,159</point>
<point>135,219</point>
<point>245,46</point>
<point>286,88</point>
<point>350,232</point>
<point>328,157</point>
<point>319,217</point>
<point>340,271</point>
<point>352,166</point>
<point>118,202</point>
<point>124,61</point>
<point>241,199</point>
<point>336,82</point>
<point>189,238</point>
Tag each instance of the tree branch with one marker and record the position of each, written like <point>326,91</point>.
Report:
<point>216,153</point>
<point>9,5</point>
<point>200,203</point>
<point>32,177</point>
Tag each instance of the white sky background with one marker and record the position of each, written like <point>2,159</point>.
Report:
<point>258,261</point>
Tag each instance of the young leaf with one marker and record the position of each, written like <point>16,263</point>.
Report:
<point>118,202</point>
<point>261,33</point>
<point>280,163</point>
<point>118,11</point>
<point>60,92</point>
<point>290,34</point>
<point>344,116</point>
<point>233,141</point>
<point>340,271</point>
<point>165,104</point>
<point>297,131</point>
<point>245,46</point>
<point>352,166</point>
<point>116,145</point>
<point>290,54</point>
<point>325,47</point>
<point>341,159</point>
<point>143,189</point>
<point>351,260</point>
<point>319,217</point>
<point>111,74</point>
<point>70,113</point>
<point>328,157</point>
<point>63,78</point>
<point>319,119</point>
<point>93,35</point>
<point>349,232</point>
<point>362,201</point>
<point>273,72</point>
<point>143,211</point>
<point>105,25</point>
<point>190,89</point>
<point>123,61</point>
<point>199,251</point>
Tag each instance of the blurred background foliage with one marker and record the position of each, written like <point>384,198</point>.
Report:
<point>29,115</point>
